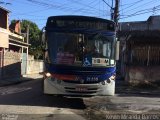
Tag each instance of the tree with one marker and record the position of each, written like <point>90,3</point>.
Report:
<point>34,37</point>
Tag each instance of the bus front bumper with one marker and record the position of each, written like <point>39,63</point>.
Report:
<point>59,87</point>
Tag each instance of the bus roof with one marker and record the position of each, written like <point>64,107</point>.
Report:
<point>72,22</point>
<point>75,17</point>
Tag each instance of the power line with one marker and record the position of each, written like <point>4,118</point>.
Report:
<point>28,13</point>
<point>133,4</point>
<point>82,8</point>
<point>149,9</point>
<point>62,8</point>
<point>130,3</point>
<point>79,3</point>
<point>138,14</point>
<point>145,11</point>
<point>140,6</point>
<point>107,4</point>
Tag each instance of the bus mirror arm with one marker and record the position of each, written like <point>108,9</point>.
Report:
<point>44,49</point>
<point>117,50</point>
<point>43,36</point>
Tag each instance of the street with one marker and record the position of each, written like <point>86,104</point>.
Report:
<point>25,101</point>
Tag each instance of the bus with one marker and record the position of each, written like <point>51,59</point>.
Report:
<point>80,56</point>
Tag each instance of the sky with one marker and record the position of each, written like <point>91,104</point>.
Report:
<point>38,11</point>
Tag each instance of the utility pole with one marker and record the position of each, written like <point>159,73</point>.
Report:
<point>116,13</point>
<point>27,48</point>
<point>28,34</point>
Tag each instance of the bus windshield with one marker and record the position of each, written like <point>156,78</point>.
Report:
<point>74,48</point>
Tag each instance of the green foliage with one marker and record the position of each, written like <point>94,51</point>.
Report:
<point>34,37</point>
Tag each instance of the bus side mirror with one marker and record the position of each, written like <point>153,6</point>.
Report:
<point>117,50</point>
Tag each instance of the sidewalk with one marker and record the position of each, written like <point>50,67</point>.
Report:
<point>24,78</point>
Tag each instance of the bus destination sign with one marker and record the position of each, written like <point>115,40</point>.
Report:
<point>84,24</point>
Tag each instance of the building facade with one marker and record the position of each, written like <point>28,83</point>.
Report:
<point>13,49</point>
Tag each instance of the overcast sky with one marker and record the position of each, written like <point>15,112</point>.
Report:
<point>38,10</point>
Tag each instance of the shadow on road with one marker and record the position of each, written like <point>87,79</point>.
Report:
<point>30,93</point>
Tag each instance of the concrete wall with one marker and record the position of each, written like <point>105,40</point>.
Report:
<point>12,65</point>
<point>143,74</point>
<point>35,66</point>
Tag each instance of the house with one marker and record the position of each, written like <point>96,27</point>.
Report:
<point>140,51</point>
<point>13,48</point>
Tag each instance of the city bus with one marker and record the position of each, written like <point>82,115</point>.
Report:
<point>80,56</point>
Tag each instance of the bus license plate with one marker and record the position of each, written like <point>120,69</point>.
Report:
<point>81,89</point>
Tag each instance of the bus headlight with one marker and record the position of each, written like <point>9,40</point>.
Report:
<point>47,75</point>
<point>112,77</point>
<point>108,80</point>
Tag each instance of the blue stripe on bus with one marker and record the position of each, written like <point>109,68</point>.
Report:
<point>82,72</point>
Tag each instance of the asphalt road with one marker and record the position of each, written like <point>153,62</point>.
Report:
<point>25,101</point>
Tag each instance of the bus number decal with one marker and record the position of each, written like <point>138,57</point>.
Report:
<point>92,79</point>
